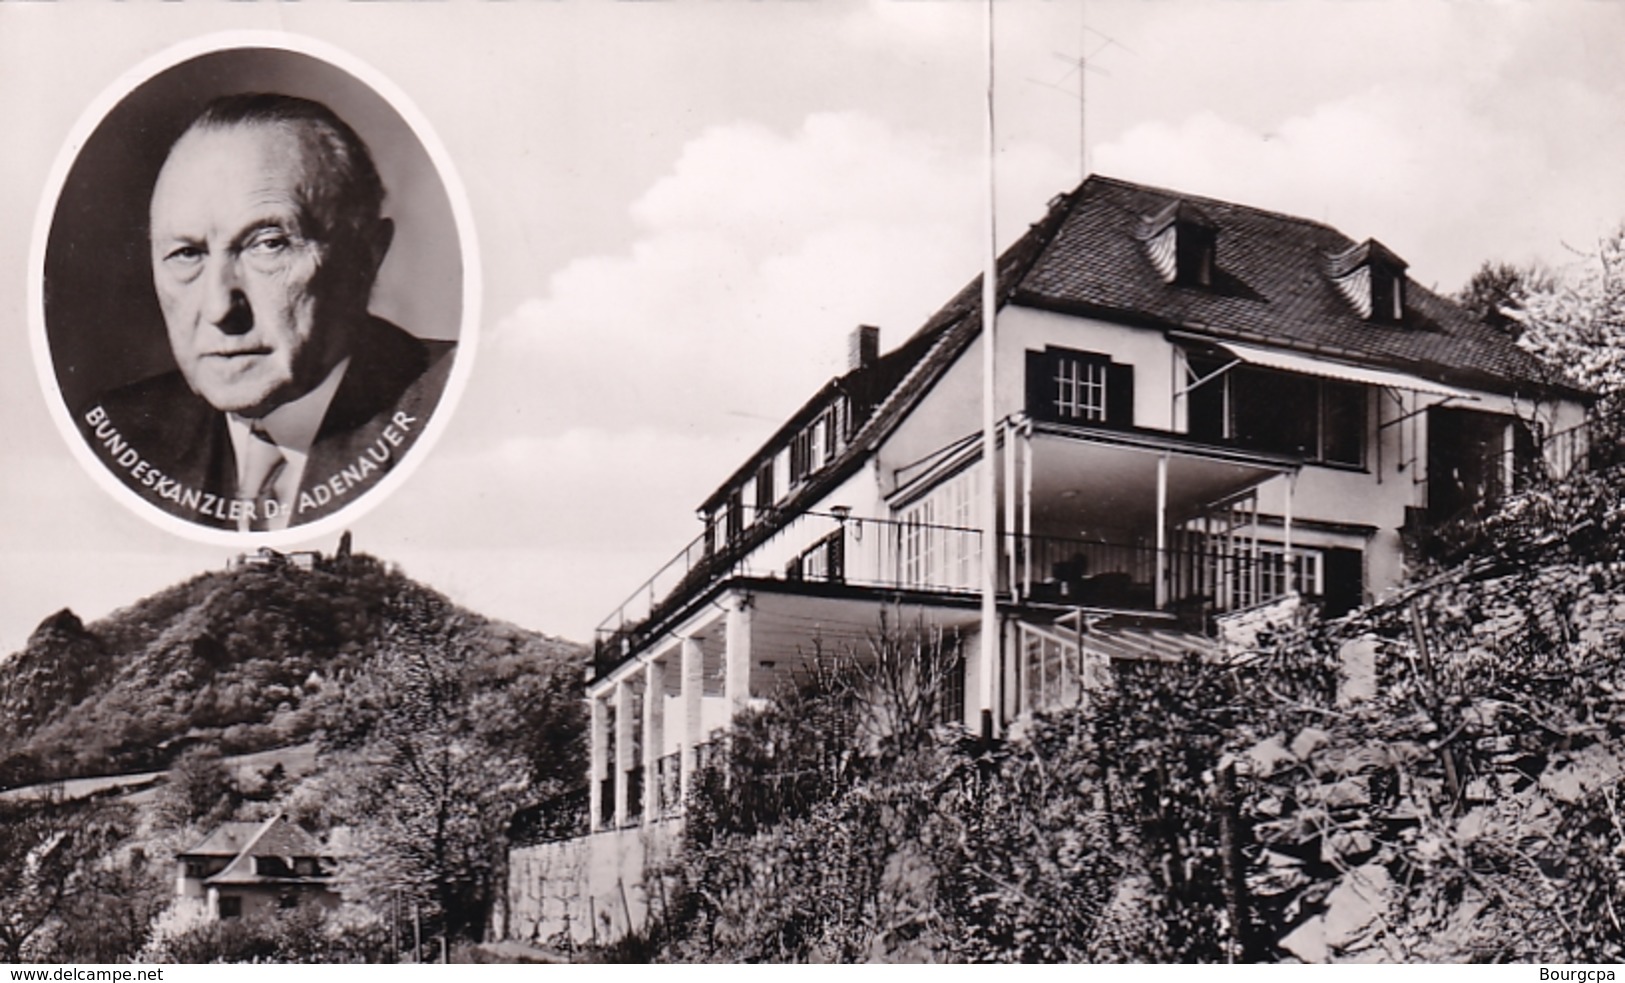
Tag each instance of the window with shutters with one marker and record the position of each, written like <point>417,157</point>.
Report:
<point>1067,386</point>
<point>764,488</point>
<point>736,514</point>
<point>825,561</point>
<point>815,445</point>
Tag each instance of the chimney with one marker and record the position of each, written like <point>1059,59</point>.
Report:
<point>863,347</point>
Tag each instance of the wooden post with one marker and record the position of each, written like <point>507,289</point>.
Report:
<point>1237,904</point>
<point>1452,781</point>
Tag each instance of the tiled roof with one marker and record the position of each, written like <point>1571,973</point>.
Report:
<point>275,837</point>
<point>1272,288</point>
<point>227,840</point>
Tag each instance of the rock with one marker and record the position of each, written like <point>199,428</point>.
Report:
<point>1308,741</point>
<point>1350,846</point>
<point>64,622</point>
<point>1587,769</point>
<point>1357,677</point>
<point>1268,757</point>
<point>1350,793</point>
<point>1355,905</point>
<point>1307,941</point>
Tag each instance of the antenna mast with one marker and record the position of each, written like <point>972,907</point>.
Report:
<point>1083,64</point>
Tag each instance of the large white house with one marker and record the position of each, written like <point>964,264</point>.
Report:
<point>1201,408</point>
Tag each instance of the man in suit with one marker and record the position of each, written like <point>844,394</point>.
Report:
<point>290,400</point>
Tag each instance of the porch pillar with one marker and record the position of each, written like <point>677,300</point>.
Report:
<point>1009,450</point>
<point>693,683</point>
<point>1162,532</point>
<point>654,738</point>
<point>1286,534</point>
<point>599,769</point>
<point>738,654</point>
<point>623,747</point>
<point>1027,509</point>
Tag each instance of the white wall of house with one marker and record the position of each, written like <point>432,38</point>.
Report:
<point>859,492</point>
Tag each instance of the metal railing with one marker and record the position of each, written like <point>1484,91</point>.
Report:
<point>1207,575</point>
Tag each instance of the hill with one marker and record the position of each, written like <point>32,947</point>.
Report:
<point>242,660</point>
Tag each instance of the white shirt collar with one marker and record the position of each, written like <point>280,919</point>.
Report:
<point>294,424</point>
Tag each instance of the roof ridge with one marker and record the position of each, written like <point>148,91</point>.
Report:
<point>259,834</point>
<point>1209,200</point>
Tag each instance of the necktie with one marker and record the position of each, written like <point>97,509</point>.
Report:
<point>262,465</point>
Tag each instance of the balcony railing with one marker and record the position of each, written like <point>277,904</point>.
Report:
<point>1199,575</point>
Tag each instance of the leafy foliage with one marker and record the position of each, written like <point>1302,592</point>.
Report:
<point>1497,290</point>
<point>1437,778</point>
<point>46,852</point>
<point>432,726</point>
<point>435,748</point>
<point>306,934</point>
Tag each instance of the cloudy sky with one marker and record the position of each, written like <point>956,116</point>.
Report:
<point>683,209</point>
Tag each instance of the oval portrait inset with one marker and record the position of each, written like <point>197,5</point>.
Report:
<point>257,289</point>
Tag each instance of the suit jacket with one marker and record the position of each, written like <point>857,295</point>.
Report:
<point>172,448</point>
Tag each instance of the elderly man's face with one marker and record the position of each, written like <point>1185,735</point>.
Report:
<point>242,272</point>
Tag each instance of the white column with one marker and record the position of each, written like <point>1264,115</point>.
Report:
<point>693,683</point>
<point>1162,532</point>
<point>1286,532</point>
<point>1027,507</point>
<point>623,747</point>
<point>654,737</point>
<point>600,759</point>
<point>738,654</point>
<point>1009,451</point>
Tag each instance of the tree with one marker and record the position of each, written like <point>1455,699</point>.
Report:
<point>1577,323</point>
<point>1497,290</point>
<point>44,851</point>
<point>429,797</point>
<point>199,788</point>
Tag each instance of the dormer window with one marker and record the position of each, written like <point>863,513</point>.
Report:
<point>1182,242</point>
<point>1372,278</point>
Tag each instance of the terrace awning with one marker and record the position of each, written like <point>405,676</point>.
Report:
<point>1270,358</point>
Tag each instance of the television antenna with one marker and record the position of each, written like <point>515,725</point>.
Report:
<point>1094,44</point>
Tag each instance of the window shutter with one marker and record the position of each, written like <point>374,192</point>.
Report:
<point>1120,394</point>
<point>1040,386</point>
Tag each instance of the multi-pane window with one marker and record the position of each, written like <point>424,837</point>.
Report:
<point>1067,386</point>
<point>1080,388</point>
<point>940,546</point>
<point>826,560</point>
<point>951,690</point>
<point>1267,580</point>
<point>815,445</point>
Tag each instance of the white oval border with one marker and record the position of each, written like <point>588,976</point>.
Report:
<point>472,282</point>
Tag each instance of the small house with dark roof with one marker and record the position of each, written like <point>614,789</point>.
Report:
<point>246,869</point>
<point>1202,408</point>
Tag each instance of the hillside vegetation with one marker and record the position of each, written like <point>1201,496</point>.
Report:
<point>1437,777</point>
<point>432,729</point>
<point>242,660</point>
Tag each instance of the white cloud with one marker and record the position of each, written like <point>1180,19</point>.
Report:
<point>1435,173</point>
<point>759,253</point>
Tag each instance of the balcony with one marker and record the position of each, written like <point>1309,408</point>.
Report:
<point>1202,573</point>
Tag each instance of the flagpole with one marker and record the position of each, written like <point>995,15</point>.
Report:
<point>989,507</point>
